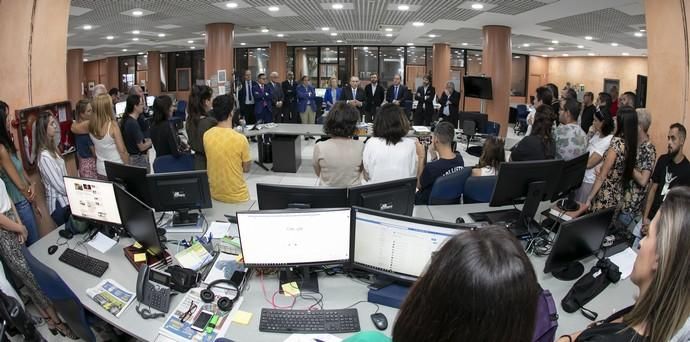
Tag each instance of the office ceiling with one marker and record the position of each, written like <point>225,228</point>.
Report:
<point>616,27</point>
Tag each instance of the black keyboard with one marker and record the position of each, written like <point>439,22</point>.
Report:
<point>305,321</point>
<point>84,262</point>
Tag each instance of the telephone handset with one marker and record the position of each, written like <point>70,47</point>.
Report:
<point>153,288</point>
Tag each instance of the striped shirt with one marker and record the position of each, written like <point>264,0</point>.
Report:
<point>52,172</point>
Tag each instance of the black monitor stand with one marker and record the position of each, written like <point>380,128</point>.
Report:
<point>303,276</point>
<point>569,272</point>
<point>182,217</point>
<point>568,203</point>
<point>520,222</point>
<point>380,282</point>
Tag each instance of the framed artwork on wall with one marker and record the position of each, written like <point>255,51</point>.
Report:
<point>610,83</point>
<point>183,79</point>
<point>92,84</point>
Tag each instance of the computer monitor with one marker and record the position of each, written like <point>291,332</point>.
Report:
<point>181,192</point>
<point>527,182</point>
<point>133,178</point>
<point>394,196</point>
<point>149,101</point>
<point>93,200</point>
<point>569,181</point>
<point>295,238</point>
<point>139,221</point>
<point>120,108</point>
<point>272,196</point>
<point>396,248</point>
<point>575,240</point>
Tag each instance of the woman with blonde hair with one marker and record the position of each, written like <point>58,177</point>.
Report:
<point>662,274</point>
<point>86,155</point>
<point>106,135</point>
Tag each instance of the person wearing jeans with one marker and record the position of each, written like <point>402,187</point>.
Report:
<point>52,167</point>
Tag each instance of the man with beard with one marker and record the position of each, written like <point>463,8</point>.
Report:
<point>671,170</point>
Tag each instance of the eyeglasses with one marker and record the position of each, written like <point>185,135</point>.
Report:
<point>189,312</point>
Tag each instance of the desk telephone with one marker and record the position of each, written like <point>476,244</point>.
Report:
<point>153,288</point>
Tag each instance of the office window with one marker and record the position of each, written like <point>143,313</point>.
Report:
<point>416,67</point>
<point>365,63</point>
<point>290,62</point>
<point>344,65</point>
<point>193,60</point>
<point>252,59</point>
<point>163,71</point>
<point>127,72</point>
<point>518,79</point>
<point>457,58</point>
<point>474,62</point>
<point>329,65</point>
<point>307,62</point>
<point>392,62</point>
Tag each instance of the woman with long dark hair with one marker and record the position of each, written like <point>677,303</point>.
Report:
<point>52,167</point>
<point>198,122</point>
<point>493,154</point>
<point>479,286</point>
<point>19,188</point>
<point>599,141</point>
<point>137,145</point>
<point>539,144</point>
<point>86,153</point>
<point>163,135</point>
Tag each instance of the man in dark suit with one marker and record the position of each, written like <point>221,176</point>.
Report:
<point>397,93</point>
<point>290,93</point>
<point>354,95</point>
<point>425,103</point>
<point>588,110</point>
<point>263,100</point>
<point>278,97</point>
<point>450,104</point>
<point>246,98</point>
<point>374,96</point>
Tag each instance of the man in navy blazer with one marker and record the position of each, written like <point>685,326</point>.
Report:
<point>354,95</point>
<point>397,93</point>
<point>278,97</point>
<point>306,101</point>
<point>262,100</point>
<point>245,95</point>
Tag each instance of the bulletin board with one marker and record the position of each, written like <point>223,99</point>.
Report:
<point>25,123</point>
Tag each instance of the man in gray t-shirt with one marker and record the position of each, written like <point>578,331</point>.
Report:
<point>571,140</point>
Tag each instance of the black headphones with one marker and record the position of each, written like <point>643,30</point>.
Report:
<point>224,303</point>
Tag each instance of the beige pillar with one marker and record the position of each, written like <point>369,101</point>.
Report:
<point>441,68</point>
<point>219,52</point>
<point>154,73</point>
<point>497,65</point>
<point>278,59</point>
<point>113,80</point>
<point>75,75</point>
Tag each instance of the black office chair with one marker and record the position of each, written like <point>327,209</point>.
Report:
<point>469,128</point>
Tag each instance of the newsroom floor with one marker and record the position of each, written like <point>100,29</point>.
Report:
<point>304,176</point>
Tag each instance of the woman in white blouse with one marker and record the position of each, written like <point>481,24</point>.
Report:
<point>389,154</point>
<point>52,167</point>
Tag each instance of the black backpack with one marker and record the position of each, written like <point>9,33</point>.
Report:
<point>589,286</point>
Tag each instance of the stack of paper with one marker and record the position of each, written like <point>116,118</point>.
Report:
<point>194,257</point>
<point>625,261</point>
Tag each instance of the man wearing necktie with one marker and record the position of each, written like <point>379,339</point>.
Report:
<point>246,98</point>
<point>278,97</point>
<point>263,100</point>
<point>397,93</point>
<point>290,93</point>
<point>354,95</point>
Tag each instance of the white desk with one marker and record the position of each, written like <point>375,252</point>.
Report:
<point>339,291</point>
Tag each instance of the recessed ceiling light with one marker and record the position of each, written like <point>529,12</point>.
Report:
<point>418,24</point>
<point>389,35</point>
<point>264,30</point>
<point>625,54</point>
<point>338,41</point>
<point>477,6</point>
<point>389,29</point>
<point>135,39</point>
<point>525,45</point>
<point>333,34</point>
<point>365,48</point>
<point>554,41</point>
<point>643,30</point>
<point>204,34</point>
<point>140,53</point>
<point>551,49</point>
<point>280,35</point>
<point>85,60</point>
<point>638,34</point>
<point>589,37</point>
<point>243,44</point>
<point>135,32</point>
<point>109,37</point>
<point>231,5</point>
<point>614,44</point>
<point>476,55</point>
<point>137,13</point>
<point>337,6</point>
<point>403,7</point>
<point>190,42</point>
<point>124,50</point>
<point>565,55</point>
<point>304,48</point>
<point>591,54</point>
<point>544,55</point>
<point>464,44</point>
<point>580,46</point>
<point>325,28</point>
<point>274,9</point>
<point>410,44</point>
<point>432,36</point>
<point>191,47</point>
<point>516,57</point>
<point>87,27</point>
<point>161,35</point>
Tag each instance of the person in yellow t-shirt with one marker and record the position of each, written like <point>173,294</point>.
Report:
<point>227,155</point>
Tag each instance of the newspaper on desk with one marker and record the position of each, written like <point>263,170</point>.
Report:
<point>178,326</point>
<point>111,296</point>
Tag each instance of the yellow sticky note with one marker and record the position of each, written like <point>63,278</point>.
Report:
<point>136,245</point>
<point>139,257</point>
<point>242,317</point>
<point>238,258</point>
<point>291,289</point>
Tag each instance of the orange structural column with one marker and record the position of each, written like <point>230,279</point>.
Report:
<point>75,75</point>
<point>497,65</point>
<point>154,73</point>
<point>113,79</point>
<point>440,73</point>
<point>219,53</point>
<point>278,59</point>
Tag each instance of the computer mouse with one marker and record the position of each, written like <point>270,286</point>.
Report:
<point>380,321</point>
<point>459,220</point>
<point>52,249</point>
<point>65,234</point>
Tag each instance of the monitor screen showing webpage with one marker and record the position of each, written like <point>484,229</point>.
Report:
<point>92,200</point>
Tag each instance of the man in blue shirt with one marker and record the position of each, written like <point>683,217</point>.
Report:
<point>444,161</point>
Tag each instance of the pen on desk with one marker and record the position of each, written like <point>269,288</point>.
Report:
<point>317,340</point>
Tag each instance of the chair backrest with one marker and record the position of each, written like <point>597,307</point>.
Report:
<point>522,111</point>
<point>65,302</point>
<point>493,128</point>
<point>180,112</point>
<point>448,189</point>
<point>168,163</point>
<point>479,189</point>
<point>469,127</point>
